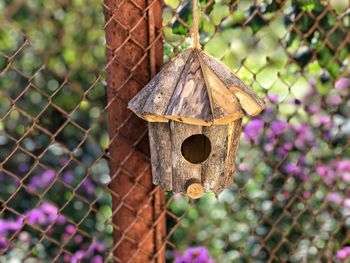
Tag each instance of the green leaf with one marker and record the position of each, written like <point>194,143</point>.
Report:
<point>218,13</point>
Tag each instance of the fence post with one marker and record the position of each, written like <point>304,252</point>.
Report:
<point>134,55</point>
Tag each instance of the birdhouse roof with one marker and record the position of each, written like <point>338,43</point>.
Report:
<point>195,88</point>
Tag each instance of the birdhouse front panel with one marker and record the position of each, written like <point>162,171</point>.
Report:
<point>182,154</point>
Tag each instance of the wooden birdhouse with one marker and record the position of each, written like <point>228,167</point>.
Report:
<point>194,107</point>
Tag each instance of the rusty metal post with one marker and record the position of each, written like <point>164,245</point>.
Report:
<point>134,55</point>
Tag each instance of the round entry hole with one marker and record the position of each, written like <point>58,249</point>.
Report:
<point>196,148</point>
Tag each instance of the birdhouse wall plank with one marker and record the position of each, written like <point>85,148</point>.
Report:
<point>182,169</point>
<point>190,96</point>
<point>249,101</point>
<point>213,171</point>
<point>234,132</point>
<point>160,147</point>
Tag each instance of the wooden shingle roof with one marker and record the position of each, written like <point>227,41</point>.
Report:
<point>195,88</point>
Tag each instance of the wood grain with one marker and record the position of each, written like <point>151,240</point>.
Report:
<point>190,101</point>
<point>158,100</point>
<point>151,102</point>
<point>160,147</point>
<point>225,106</point>
<point>213,171</point>
<point>234,132</point>
<point>249,101</point>
<point>182,169</point>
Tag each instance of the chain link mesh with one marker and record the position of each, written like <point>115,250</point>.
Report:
<point>75,182</point>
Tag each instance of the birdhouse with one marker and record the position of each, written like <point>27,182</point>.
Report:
<point>194,107</point>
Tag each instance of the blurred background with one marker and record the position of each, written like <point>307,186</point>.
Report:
<point>290,201</point>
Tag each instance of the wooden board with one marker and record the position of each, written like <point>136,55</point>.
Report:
<point>190,101</point>
<point>157,102</point>
<point>225,106</point>
<point>213,171</point>
<point>182,169</point>
<point>249,101</point>
<point>160,147</point>
<point>218,171</point>
<point>234,132</point>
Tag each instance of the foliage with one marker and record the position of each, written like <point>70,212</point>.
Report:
<point>289,200</point>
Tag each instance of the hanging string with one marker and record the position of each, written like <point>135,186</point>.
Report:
<point>195,26</point>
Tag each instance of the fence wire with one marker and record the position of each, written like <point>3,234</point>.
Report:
<point>75,180</point>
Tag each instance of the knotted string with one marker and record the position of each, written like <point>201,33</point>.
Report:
<point>195,26</point>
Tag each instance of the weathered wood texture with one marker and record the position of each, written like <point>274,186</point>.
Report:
<point>160,146</point>
<point>182,169</point>
<point>249,101</point>
<point>173,172</point>
<point>213,172</point>
<point>235,130</point>
<point>151,103</point>
<point>225,106</point>
<point>195,190</point>
<point>190,100</point>
<point>195,88</point>
<point>138,208</point>
<point>220,167</point>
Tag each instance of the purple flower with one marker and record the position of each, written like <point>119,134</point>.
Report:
<point>23,167</point>
<point>36,216</point>
<point>313,109</point>
<point>342,83</point>
<point>334,198</point>
<point>3,243</point>
<point>343,253</point>
<point>97,259</point>
<point>324,121</point>
<point>45,214</point>
<point>343,165</point>
<point>334,100</point>
<point>88,186</point>
<point>272,98</point>
<point>95,246</point>
<point>278,127</point>
<point>9,225</point>
<point>78,239</point>
<point>68,178</point>
<point>70,229</point>
<point>292,168</point>
<point>304,136</point>
<point>42,180</point>
<point>194,255</point>
<point>253,130</point>
<point>78,256</point>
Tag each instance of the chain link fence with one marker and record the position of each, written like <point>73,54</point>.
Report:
<point>75,179</point>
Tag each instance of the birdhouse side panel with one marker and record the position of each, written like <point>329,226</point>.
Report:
<point>182,169</point>
<point>213,170</point>
<point>235,130</point>
<point>160,147</point>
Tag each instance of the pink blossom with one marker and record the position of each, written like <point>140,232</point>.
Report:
<point>70,229</point>
<point>343,253</point>
<point>342,83</point>
<point>194,255</point>
<point>334,100</point>
<point>272,98</point>
<point>334,198</point>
